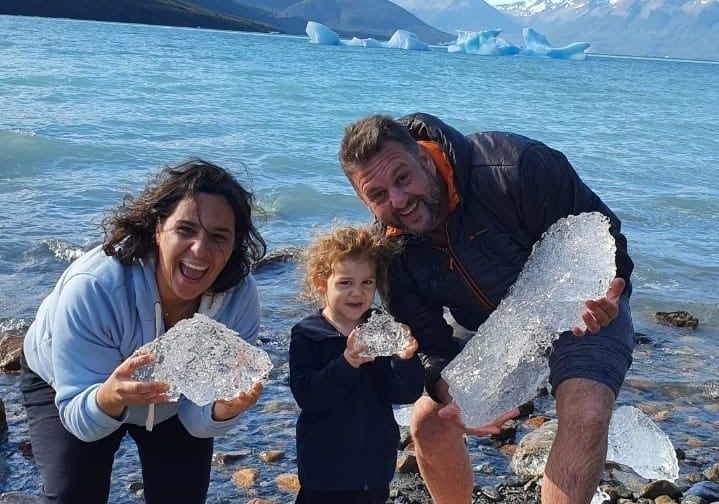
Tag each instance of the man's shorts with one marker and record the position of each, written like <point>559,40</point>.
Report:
<point>604,357</point>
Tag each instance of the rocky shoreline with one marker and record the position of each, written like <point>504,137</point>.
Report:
<point>255,470</point>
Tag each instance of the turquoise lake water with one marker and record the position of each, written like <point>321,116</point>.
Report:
<point>88,110</point>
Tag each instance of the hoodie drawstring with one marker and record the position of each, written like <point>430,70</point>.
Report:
<point>150,420</point>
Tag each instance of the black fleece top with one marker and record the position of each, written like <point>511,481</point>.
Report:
<point>347,436</point>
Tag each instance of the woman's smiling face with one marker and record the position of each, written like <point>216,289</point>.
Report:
<point>194,244</point>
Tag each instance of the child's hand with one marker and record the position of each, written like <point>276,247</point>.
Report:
<point>410,348</point>
<point>352,352</point>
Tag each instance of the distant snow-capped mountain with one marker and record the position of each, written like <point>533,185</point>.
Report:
<point>451,15</point>
<point>678,28</point>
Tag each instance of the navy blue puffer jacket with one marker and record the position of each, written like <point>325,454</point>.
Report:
<point>510,190</point>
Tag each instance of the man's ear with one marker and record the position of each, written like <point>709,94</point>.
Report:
<point>427,161</point>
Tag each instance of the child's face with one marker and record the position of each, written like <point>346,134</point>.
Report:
<point>350,290</point>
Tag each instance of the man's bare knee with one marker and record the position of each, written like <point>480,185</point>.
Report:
<point>427,428</point>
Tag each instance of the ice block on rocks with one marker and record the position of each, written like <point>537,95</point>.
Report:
<point>381,335</point>
<point>636,441</point>
<point>506,361</point>
<point>204,360</point>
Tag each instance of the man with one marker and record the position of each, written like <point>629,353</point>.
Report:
<point>469,209</point>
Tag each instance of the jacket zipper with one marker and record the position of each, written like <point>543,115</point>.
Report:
<point>456,265</point>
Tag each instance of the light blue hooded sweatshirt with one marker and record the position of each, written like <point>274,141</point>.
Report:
<point>97,315</point>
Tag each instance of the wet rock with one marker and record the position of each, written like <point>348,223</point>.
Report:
<point>19,498</point>
<point>271,456</point>
<point>227,458</point>
<point>712,474</point>
<point>288,483</point>
<point>407,464</point>
<point>244,478</point>
<point>658,488</point>
<point>642,339</point>
<point>707,490</point>
<point>678,319</point>
<point>532,451</point>
<point>693,499</point>
<point>10,348</point>
<point>25,448</point>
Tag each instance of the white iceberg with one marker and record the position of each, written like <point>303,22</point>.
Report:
<point>400,39</point>
<point>489,43</point>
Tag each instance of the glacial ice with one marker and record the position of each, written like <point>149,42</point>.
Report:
<point>400,39</point>
<point>485,42</point>
<point>204,360</point>
<point>504,364</point>
<point>381,335</point>
<point>320,34</point>
<point>636,441</point>
<point>489,43</point>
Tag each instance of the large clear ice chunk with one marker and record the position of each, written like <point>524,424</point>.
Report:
<point>204,360</point>
<point>636,441</point>
<point>505,363</point>
<point>381,335</point>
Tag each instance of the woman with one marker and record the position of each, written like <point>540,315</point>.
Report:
<point>185,244</point>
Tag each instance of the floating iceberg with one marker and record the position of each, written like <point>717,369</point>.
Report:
<point>485,42</point>
<point>505,363</point>
<point>489,43</point>
<point>537,44</point>
<point>400,39</point>
<point>320,34</point>
<point>204,360</point>
<point>636,441</point>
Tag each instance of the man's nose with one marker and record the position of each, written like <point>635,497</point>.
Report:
<point>398,198</point>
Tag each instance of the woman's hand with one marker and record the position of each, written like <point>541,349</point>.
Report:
<point>121,390</point>
<point>353,351</point>
<point>225,409</point>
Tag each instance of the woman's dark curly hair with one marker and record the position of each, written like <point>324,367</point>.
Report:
<point>130,229</point>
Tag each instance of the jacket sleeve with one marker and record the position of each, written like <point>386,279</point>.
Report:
<point>241,313</point>
<point>402,380</point>
<point>550,189</point>
<point>317,386</point>
<point>86,331</point>
<point>425,320</point>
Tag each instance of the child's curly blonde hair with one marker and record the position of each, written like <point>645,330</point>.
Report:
<point>347,242</point>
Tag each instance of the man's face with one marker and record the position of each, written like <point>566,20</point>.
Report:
<point>401,189</point>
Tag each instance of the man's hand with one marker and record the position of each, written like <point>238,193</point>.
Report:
<point>600,312</point>
<point>452,413</point>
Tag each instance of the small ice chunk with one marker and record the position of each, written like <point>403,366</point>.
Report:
<point>204,360</point>
<point>403,413</point>
<point>503,365</point>
<point>636,441</point>
<point>381,335</point>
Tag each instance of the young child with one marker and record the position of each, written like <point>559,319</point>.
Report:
<point>347,436</point>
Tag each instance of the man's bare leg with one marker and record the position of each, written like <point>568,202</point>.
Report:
<point>441,454</point>
<point>576,461</point>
